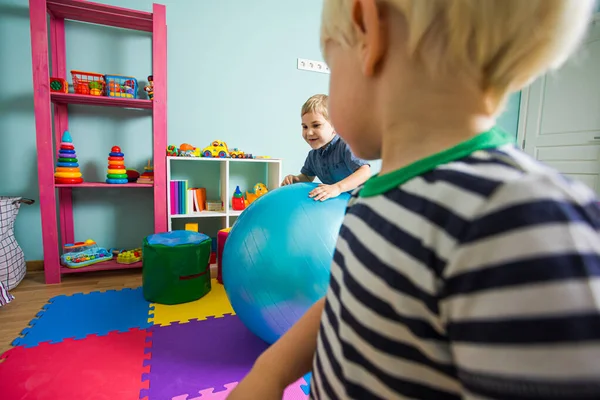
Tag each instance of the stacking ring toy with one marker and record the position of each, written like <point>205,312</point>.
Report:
<point>116,176</point>
<point>117,162</point>
<point>66,145</point>
<point>67,164</point>
<point>113,154</point>
<point>64,155</point>
<point>116,171</point>
<point>67,174</point>
<point>66,169</point>
<point>62,159</point>
<point>67,181</point>
<point>119,167</point>
<point>67,151</point>
<point>116,181</point>
<point>116,158</point>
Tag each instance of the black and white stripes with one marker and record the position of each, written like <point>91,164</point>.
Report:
<point>479,279</point>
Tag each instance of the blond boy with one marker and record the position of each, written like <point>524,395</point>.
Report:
<point>330,159</point>
<point>466,269</point>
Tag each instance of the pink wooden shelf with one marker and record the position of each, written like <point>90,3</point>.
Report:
<point>105,185</point>
<point>71,98</point>
<point>102,14</point>
<point>48,38</point>
<point>103,266</point>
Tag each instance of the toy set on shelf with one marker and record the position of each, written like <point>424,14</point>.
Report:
<point>148,175</point>
<point>217,149</point>
<point>67,165</point>
<point>239,203</point>
<point>68,172</point>
<point>116,173</point>
<point>83,254</point>
<point>94,84</point>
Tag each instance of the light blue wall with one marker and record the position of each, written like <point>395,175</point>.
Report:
<point>232,76</point>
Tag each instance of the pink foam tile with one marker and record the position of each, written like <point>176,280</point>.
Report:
<point>293,392</point>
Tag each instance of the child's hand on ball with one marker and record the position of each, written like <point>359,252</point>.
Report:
<point>288,180</point>
<point>324,192</point>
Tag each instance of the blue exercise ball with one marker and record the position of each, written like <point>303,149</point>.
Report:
<point>277,257</point>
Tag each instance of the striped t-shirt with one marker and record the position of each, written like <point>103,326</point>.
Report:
<point>472,274</point>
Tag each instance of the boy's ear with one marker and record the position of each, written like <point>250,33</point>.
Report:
<point>370,31</point>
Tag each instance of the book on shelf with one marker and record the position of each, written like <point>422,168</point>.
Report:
<point>186,200</point>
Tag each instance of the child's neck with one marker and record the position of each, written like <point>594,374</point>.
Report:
<point>430,122</point>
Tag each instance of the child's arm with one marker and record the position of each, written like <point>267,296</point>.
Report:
<point>307,174</point>
<point>352,181</point>
<point>285,361</point>
<point>521,295</point>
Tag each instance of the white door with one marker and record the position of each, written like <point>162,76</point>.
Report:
<point>559,122</point>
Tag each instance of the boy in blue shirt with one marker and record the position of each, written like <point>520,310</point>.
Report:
<point>466,269</point>
<point>330,159</point>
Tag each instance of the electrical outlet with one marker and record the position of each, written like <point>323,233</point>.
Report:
<point>314,66</point>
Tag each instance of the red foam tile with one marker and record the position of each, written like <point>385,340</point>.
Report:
<point>97,367</point>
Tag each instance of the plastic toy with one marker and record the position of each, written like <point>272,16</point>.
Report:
<point>89,83</point>
<point>191,226</point>
<point>237,201</point>
<point>121,86</point>
<point>216,149</point>
<point>259,190</point>
<point>116,173</point>
<point>187,150</point>
<point>59,85</point>
<point>150,87</point>
<point>130,256</point>
<point>132,175</point>
<point>148,175</point>
<point>285,216</point>
<point>67,170</point>
<point>82,254</point>
<point>172,151</point>
<point>236,153</point>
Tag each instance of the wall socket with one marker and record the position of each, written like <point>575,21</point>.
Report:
<point>315,66</point>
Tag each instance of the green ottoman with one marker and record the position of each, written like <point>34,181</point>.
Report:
<point>176,267</point>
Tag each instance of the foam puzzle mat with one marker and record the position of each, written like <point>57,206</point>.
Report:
<point>115,345</point>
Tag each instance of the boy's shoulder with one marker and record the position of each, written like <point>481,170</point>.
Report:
<point>500,181</point>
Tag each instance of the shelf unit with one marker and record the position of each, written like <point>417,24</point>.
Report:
<point>46,141</point>
<point>204,166</point>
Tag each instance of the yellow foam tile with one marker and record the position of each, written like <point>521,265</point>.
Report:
<point>214,304</point>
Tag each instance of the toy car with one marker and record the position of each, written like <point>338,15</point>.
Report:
<point>216,149</point>
<point>236,153</point>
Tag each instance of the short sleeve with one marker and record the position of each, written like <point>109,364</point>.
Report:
<point>308,169</point>
<point>521,294</point>
<point>352,162</point>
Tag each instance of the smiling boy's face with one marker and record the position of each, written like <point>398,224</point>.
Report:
<point>316,130</point>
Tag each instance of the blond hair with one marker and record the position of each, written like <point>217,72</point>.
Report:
<point>316,104</point>
<point>510,42</point>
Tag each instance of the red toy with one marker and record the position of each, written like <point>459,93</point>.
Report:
<point>237,201</point>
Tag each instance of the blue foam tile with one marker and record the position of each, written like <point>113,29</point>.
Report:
<point>80,315</point>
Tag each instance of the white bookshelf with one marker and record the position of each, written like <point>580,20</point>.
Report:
<point>205,167</point>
